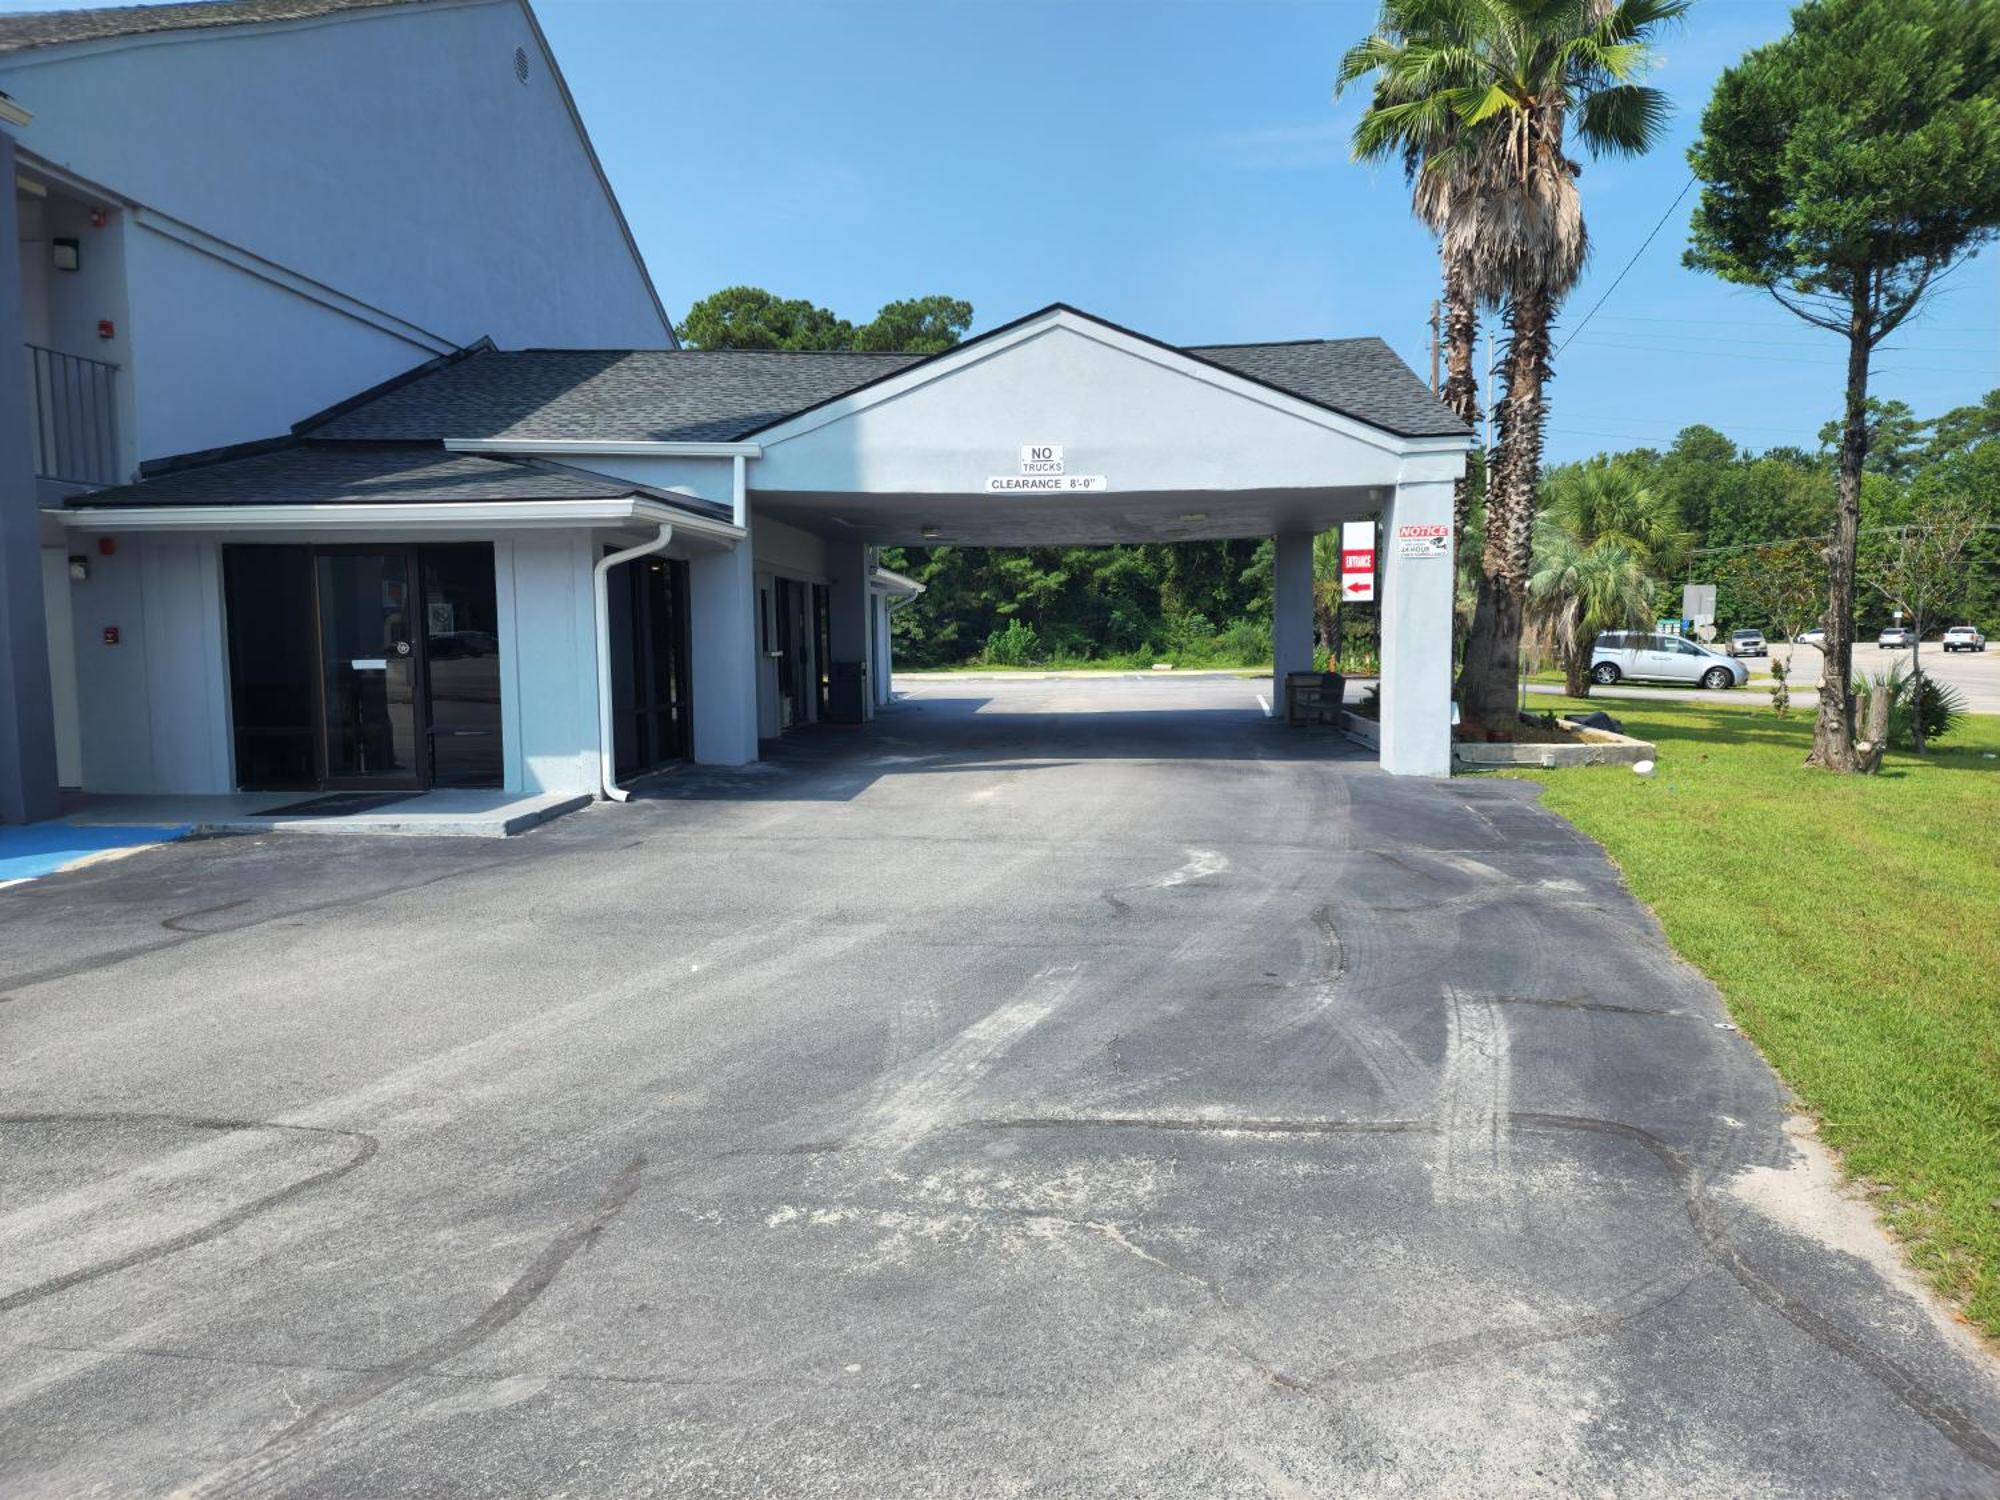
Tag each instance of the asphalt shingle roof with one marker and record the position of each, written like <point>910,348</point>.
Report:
<point>639,395</point>
<point>54,28</point>
<point>310,473</point>
<point>1361,378</point>
<point>686,395</point>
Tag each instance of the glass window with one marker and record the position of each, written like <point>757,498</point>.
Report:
<point>275,723</point>
<point>462,649</point>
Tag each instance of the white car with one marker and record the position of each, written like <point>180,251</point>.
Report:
<point>1816,636</point>
<point>1662,658</point>
<point>1963,638</point>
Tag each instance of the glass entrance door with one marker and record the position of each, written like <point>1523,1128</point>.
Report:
<point>368,668</point>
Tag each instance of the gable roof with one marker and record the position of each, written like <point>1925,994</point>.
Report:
<point>724,395</point>
<point>1362,378</point>
<point>54,28</point>
<point>610,395</point>
<point>295,472</point>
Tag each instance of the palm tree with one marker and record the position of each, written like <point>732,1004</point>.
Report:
<point>1580,589</point>
<point>1600,501</point>
<point>1409,118</point>
<point>1484,92</point>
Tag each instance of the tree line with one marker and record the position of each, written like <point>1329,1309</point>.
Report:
<point>1845,169</point>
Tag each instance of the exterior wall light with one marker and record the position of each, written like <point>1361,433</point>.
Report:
<point>65,255</point>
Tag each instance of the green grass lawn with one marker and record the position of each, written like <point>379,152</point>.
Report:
<point>1853,923</point>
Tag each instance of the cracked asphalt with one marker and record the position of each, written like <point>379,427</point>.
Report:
<point>1056,1089</point>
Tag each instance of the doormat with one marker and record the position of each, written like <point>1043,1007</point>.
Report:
<point>335,804</point>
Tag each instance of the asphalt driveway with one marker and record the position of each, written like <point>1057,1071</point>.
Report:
<point>1057,1089</point>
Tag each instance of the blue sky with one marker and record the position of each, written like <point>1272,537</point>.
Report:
<point>1178,166</point>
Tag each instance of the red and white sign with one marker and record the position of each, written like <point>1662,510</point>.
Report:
<point>1431,539</point>
<point>1357,561</point>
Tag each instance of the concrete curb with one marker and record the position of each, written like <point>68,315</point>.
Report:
<point>469,826</point>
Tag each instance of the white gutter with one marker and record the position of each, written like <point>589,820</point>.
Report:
<point>557,447</point>
<point>389,516</point>
<point>607,784</point>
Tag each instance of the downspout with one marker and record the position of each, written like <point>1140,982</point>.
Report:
<point>607,786</point>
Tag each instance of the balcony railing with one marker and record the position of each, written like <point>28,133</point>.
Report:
<point>73,410</point>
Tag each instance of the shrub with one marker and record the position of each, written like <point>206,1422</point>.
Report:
<point>1247,642</point>
<point>1016,646</point>
<point>1942,704</point>
<point>1189,634</point>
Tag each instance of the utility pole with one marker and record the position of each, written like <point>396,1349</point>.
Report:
<point>1436,338</point>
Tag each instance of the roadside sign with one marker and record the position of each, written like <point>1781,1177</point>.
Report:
<point>1357,561</point>
<point>1698,601</point>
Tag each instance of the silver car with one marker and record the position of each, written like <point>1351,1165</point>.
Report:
<point>1662,658</point>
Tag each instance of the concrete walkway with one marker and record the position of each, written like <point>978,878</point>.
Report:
<point>447,813</point>
<point>1056,1090</point>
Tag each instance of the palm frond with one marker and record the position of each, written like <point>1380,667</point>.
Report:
<point>1625,121</point>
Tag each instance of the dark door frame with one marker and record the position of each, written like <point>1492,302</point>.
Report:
<point>649,751</point>
<point>419,777</point>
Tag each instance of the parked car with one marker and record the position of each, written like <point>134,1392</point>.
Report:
<point>1813,637</point>
<point>1662,658</point>
<point>1748,643</point>
<point>1896,638</point>
<point>1963,638</point>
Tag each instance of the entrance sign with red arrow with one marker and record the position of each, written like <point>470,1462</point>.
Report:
<point>1357,561</point>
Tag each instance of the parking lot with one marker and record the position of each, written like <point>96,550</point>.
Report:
<point>1055,1089</point>
<point>1976,675</point>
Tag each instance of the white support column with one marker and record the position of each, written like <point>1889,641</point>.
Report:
<point>1291,610</point>
<point>880,667</point>
<point>722,631</point>
<point>1418,584</point>
<point>848,565</point>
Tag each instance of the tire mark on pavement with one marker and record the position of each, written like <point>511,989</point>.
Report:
<point>1711,1233</point>
<point>1944,1417</point>
<point>922,1099</point>
<point>182,935</point>
<point>1473,1159</point>
<point>265,1467</point>
<point>366,1148</point>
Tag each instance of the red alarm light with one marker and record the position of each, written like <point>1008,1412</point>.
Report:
<point>106,545</point>
<point>111,635</point>
<point>105,330</point>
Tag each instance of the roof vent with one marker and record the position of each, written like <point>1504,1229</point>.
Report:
<point>521,63</point>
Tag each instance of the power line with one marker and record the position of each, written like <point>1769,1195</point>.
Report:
<point>1630,263</point>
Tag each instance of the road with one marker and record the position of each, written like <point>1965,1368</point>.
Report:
<point>1057,1089</point>
<point>1976,675</point>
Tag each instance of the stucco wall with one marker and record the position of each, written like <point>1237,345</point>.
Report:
<point>366,190</point>
<point>392,154</point>
<point>153,709</point>
<point>548,646</point>
<point>1143,422</point>
<point>224,357</point>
